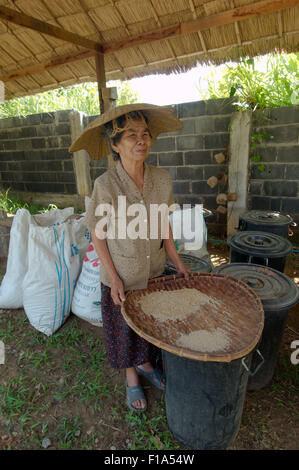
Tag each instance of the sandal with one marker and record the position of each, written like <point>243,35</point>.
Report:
<point>155,377</point>
<point>135,393</point>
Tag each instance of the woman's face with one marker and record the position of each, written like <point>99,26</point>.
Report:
<point>135,143</point>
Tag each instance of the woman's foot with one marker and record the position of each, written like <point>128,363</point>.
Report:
<point>153,375</point>
<point>133,381</point>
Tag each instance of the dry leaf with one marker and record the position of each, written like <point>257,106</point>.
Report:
<point>219,157</point>
<point>212,181</point>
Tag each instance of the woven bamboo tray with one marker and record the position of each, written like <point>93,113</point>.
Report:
<point>235,309</point>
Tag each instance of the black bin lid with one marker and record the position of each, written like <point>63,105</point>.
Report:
<point>260,244</point>
<point>276,290</point>
<point>196,265</point>
<point>266,218</point>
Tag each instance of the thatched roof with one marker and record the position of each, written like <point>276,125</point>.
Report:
<point>48,44</point>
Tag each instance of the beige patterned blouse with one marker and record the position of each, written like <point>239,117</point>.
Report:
<point>140,259</point>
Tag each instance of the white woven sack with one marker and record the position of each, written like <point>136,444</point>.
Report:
<point>11,289</point>
<point>82,236</point>
<point>53,268</point>
<point>86,302</point>
<point>189,230</point>
<point>52,217</point>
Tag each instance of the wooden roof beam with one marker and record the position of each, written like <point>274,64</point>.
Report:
<point>200,24</point>
<point>47,65</point>
<point>13,16</point>
<point>219,19</point>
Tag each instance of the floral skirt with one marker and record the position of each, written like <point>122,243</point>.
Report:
<point>124,347</point>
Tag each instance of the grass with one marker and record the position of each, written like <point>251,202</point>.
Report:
<point>62,389</point>
<point>150,433</point>
<point>288,371</point>
<point>68,430</point>
<point>17,397</point>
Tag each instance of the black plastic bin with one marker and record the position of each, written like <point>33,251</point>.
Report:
<point>204,400</point>
<point>278,293</point>
<point>196,265</point>
<point>265,221</point>
<point>262,248</point>
<point>207,351</point>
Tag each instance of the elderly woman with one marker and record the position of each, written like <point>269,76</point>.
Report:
<point>128,262</point>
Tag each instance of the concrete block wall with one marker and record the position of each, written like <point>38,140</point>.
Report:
<point>34,153</point>
<point>274,180</point>
<point>34,156</point>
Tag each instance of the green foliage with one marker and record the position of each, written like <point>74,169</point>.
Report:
<point>83,97</point>
<point>257,84</point>
<point>11,204</point>
<point>253,88</point>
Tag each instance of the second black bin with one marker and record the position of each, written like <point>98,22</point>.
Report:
<point>265,221</point>
<point>278,293</point>
<point>263,248</point>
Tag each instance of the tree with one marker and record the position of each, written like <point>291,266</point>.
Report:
<point>254,88</point>
<point>83,97</point>
<point>126,94</point>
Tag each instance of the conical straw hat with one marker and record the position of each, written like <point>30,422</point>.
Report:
<point>160,119</point>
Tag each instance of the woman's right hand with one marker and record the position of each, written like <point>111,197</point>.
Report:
<point>117,291</point>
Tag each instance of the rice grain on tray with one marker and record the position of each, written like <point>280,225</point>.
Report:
<point>174,305</point>
<point>205,341</point>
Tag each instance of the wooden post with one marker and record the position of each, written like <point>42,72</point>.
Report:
<point>107,96</point>
<point>81,159</point>
<point>238,167</point>
<point>101,78</point>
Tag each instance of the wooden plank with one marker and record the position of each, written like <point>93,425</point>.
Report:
<point>30,22</point>
<point>238,167</point>
<point>80,158</point>
<point>109,97</point>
